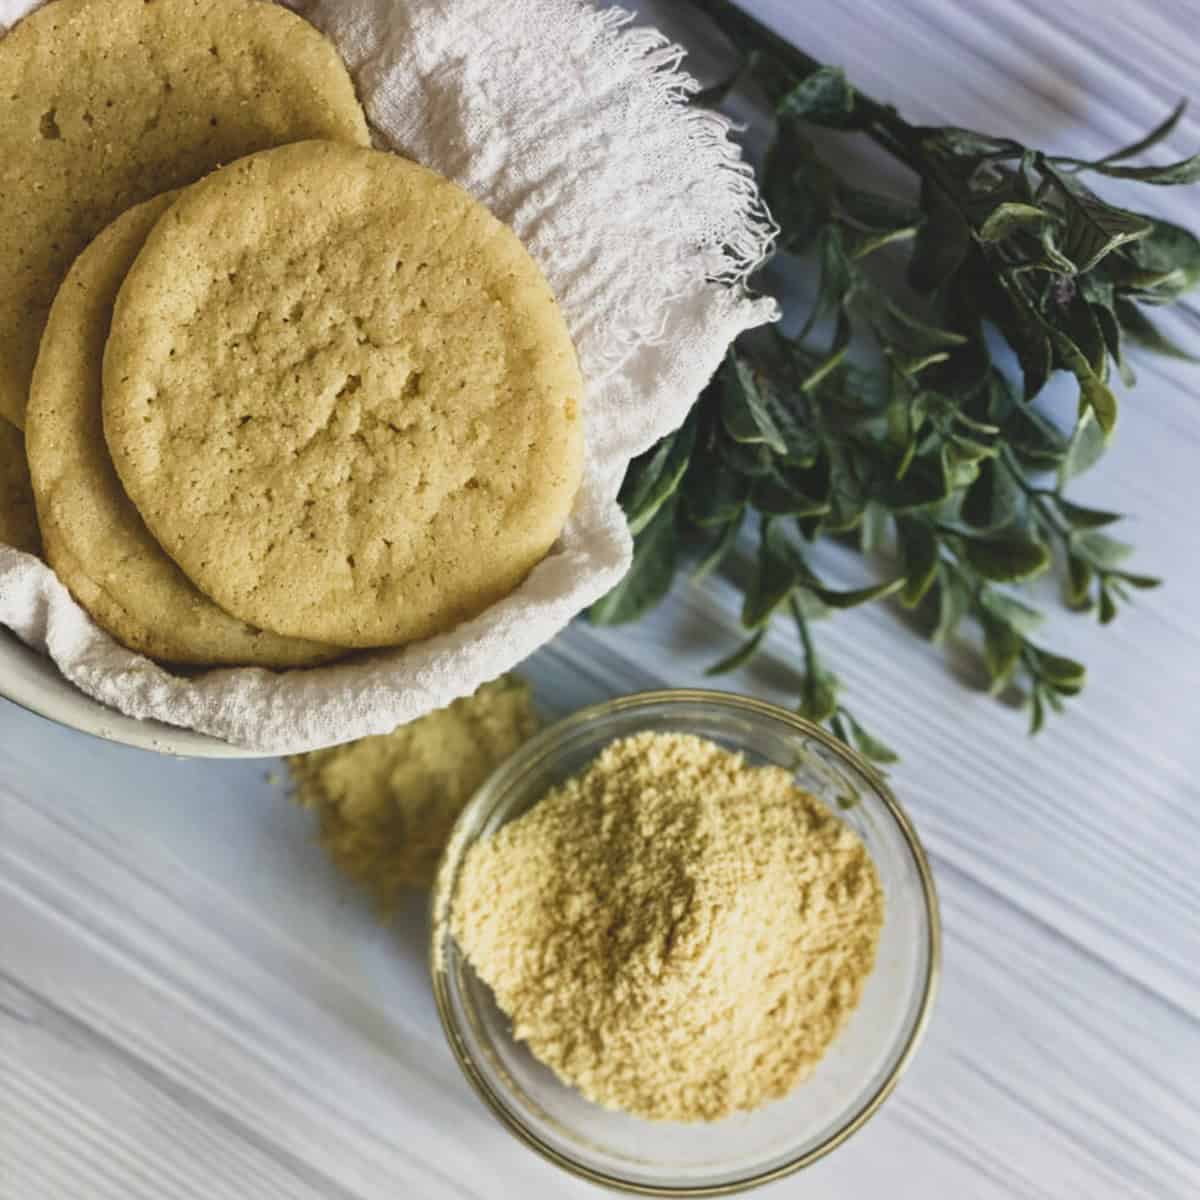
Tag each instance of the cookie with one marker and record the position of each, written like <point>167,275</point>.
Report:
<point>95,540</point>
<point>342,396</point>
<point>104,103</point>
<point>18,520</point>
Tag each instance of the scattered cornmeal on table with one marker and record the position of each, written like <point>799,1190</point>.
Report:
<point>674,932</point>
<point>387,804</point>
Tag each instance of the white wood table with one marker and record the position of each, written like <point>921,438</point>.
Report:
<point>192,1004</point>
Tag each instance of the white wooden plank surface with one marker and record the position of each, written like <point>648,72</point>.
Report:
<point>193,1005</point>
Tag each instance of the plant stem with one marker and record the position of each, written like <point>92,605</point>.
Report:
<point>1034,495</point>
<point>806,642</point>
<point>884,125</point>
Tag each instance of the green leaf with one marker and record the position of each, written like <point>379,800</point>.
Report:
<point>919,546</point>
<point>780,569</point>
<point>1142,330</point>
<point>868,246</point>
<point>1118,588</point>
<point>904,415</point>
<point>1078,585</point>
<point>867,745</point>
<point>1027,335</point>
<point>1108,606</point>
<point>873,531</point>
<point>1172,254</point>
<point>837,352</point>
<point>782,359</point>
<point>925,483</point>
<point>1058,671</point>
<point>818,696</point>
<point>642,476</point>
<point>970,450</point>
<point>1142,582</point>
<point>1157,134</point>
<point>1053,259</point>
<point>1185,171</point>
<point>1110,329</point>
<point>1002,646</point>
<point>847,497</point>
<point>857,596</point>
<point>655,484</point>
<point>1011,217</point>
<point>1086,447</point>
<point>1084,518</point>
<point>719,549</point>
<point>712,493</point>
<point>1034,440</point>
<point>1037,711</point>
<point>841,731</point>
<point>744,409</point>
<point>942,241</point>
<point>742,655</point>
<point>1100,549</point>
<point>837,281</point>
<point>1085,333</point>
<point>954,602</point>
<point>655,554</point>
<point>1001,402</point>
<point>901,327</point>
<point>807,605</point>
<point>824,98</point>
<point>1094,229</point>
<point>1003,607</point>
<point>870,385</point>
<point>993,500</point>
<point>796,492</point>
<point>748,459</point>
<point>961,463</point>
<point>966,143</point>
<point>798,189</point>
<point>1094,393</point>
<point>1006,558</point>
<point>873,212</point>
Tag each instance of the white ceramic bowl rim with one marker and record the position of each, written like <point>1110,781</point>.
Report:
<point>34,683</point>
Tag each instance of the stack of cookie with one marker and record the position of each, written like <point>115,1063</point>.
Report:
<point>319,400</point>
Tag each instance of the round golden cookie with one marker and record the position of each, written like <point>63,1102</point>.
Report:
<point>104,103</point>
<point>18,520</point>
<point>94,538</point>
<point>342,396</point>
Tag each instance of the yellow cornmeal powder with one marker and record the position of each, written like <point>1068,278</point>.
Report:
<point>674,932</point>
<point>387,804</point>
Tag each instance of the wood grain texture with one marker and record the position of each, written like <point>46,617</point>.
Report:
<point>193,1005</point>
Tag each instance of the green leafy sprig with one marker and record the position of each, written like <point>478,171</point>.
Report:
<point>934,457</point>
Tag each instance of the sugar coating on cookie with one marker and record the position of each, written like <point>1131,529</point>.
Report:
<point>94,538</point>
<point>106,103</point>
<point>18,518</point>
<point>343,397</point>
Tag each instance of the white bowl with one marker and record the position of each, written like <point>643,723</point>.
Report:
<point>33,682</point>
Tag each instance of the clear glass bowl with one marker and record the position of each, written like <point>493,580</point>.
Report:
<point>863,1064</point>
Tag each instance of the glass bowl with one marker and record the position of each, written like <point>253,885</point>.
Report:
<point>742,1151</point>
